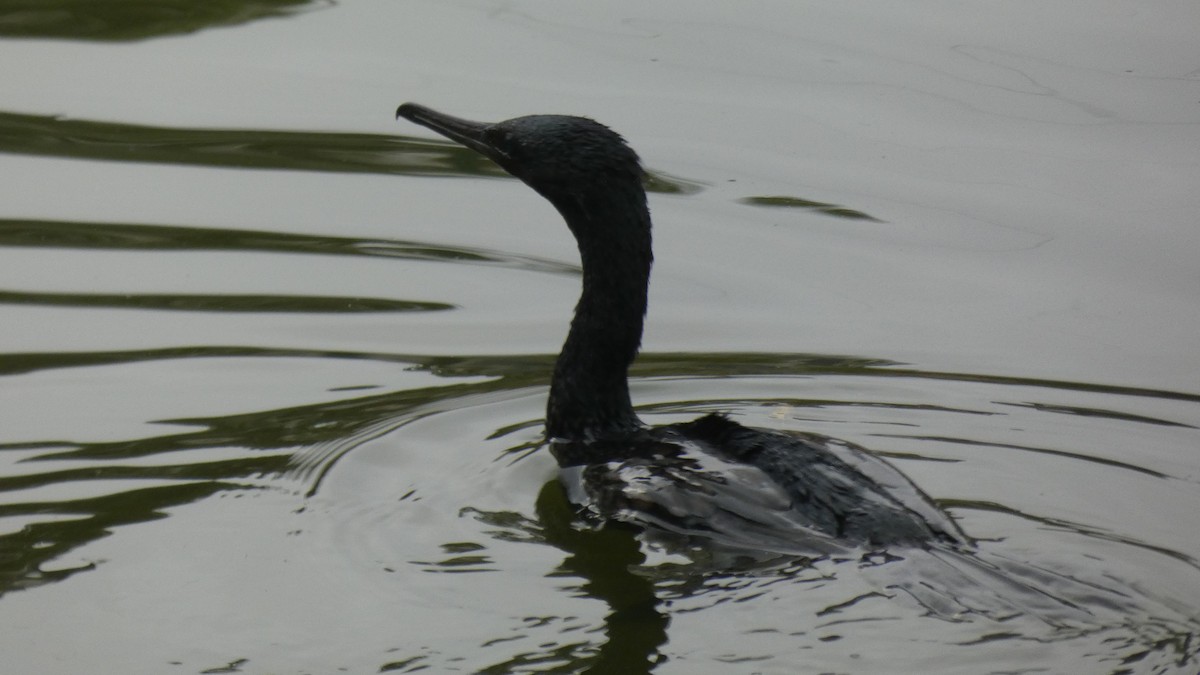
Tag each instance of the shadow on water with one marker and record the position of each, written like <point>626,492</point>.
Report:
<point>128,20</point>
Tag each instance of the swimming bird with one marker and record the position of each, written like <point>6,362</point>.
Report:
<point>709,477</point>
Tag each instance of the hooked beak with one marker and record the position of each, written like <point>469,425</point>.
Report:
<point>464,132</point>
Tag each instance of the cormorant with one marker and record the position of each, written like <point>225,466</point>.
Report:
<point>710,476</point>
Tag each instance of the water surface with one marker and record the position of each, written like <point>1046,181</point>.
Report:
<point>273,365</point>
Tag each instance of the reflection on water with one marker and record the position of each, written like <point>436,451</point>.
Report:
<point>648,591</point>
<point>61,496</point>
<point>131,20</point>
<point>120,236</point>
<point>445,477</point>
<point>273,496</point>
<point>55,136</point>
<point>220,303</point>
<point>808,204</point>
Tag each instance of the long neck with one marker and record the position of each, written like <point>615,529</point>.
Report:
<point>589,395</point>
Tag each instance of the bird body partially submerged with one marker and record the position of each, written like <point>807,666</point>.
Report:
<point>712,473</point>
<point>777,490</point>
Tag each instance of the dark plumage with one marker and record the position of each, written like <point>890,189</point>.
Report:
<point>682,477</point>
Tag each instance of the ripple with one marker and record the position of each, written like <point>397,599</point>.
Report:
<point>221,303</point>
<point>1038,575</point>
<point>119,21</point>
<point>55,136</point>
<point>808,205</point>
<point>442,490</point>
<point>137,237</point>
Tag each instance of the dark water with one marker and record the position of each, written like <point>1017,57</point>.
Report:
<point>272,371</point>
